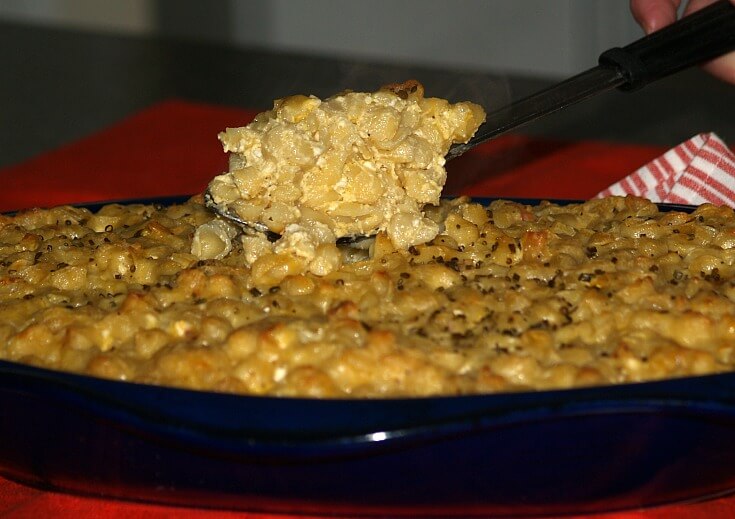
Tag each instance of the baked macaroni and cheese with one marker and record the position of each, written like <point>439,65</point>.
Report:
<point>352,165</point>
<point>506,297</point>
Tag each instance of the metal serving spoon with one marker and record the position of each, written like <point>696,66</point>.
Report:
<point>697,38</point>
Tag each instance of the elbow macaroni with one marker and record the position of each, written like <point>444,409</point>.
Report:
<point>507,297</point>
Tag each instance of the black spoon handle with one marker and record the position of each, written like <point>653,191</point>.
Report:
<point>701,36</point>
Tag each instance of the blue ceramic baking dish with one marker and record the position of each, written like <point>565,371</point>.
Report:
<point>513,454</point>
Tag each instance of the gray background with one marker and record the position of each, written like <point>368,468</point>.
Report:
<point>542,37</point>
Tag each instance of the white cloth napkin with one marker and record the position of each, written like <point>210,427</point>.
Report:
<point>697,171</point>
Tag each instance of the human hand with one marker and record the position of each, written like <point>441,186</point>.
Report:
<point>653,15</point>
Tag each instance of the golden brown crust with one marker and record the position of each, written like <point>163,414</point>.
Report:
<point>508,297</point>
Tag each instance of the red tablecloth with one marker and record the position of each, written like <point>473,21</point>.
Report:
<point>171,148</point>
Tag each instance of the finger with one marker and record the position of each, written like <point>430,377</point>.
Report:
<point>652,15</point>
<point>723,68</point>
<point>696,5</point>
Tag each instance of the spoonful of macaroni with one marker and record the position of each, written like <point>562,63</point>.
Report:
<point>343,168</point>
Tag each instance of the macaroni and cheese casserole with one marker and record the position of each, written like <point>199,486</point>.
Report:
<point>505,297</point>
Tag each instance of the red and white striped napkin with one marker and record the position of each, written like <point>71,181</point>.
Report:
<point>697,171</point>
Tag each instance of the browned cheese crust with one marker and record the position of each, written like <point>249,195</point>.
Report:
<point>507,297</point>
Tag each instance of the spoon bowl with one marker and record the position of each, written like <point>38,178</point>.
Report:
<point>272,236</point>
<point>228,214</point>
